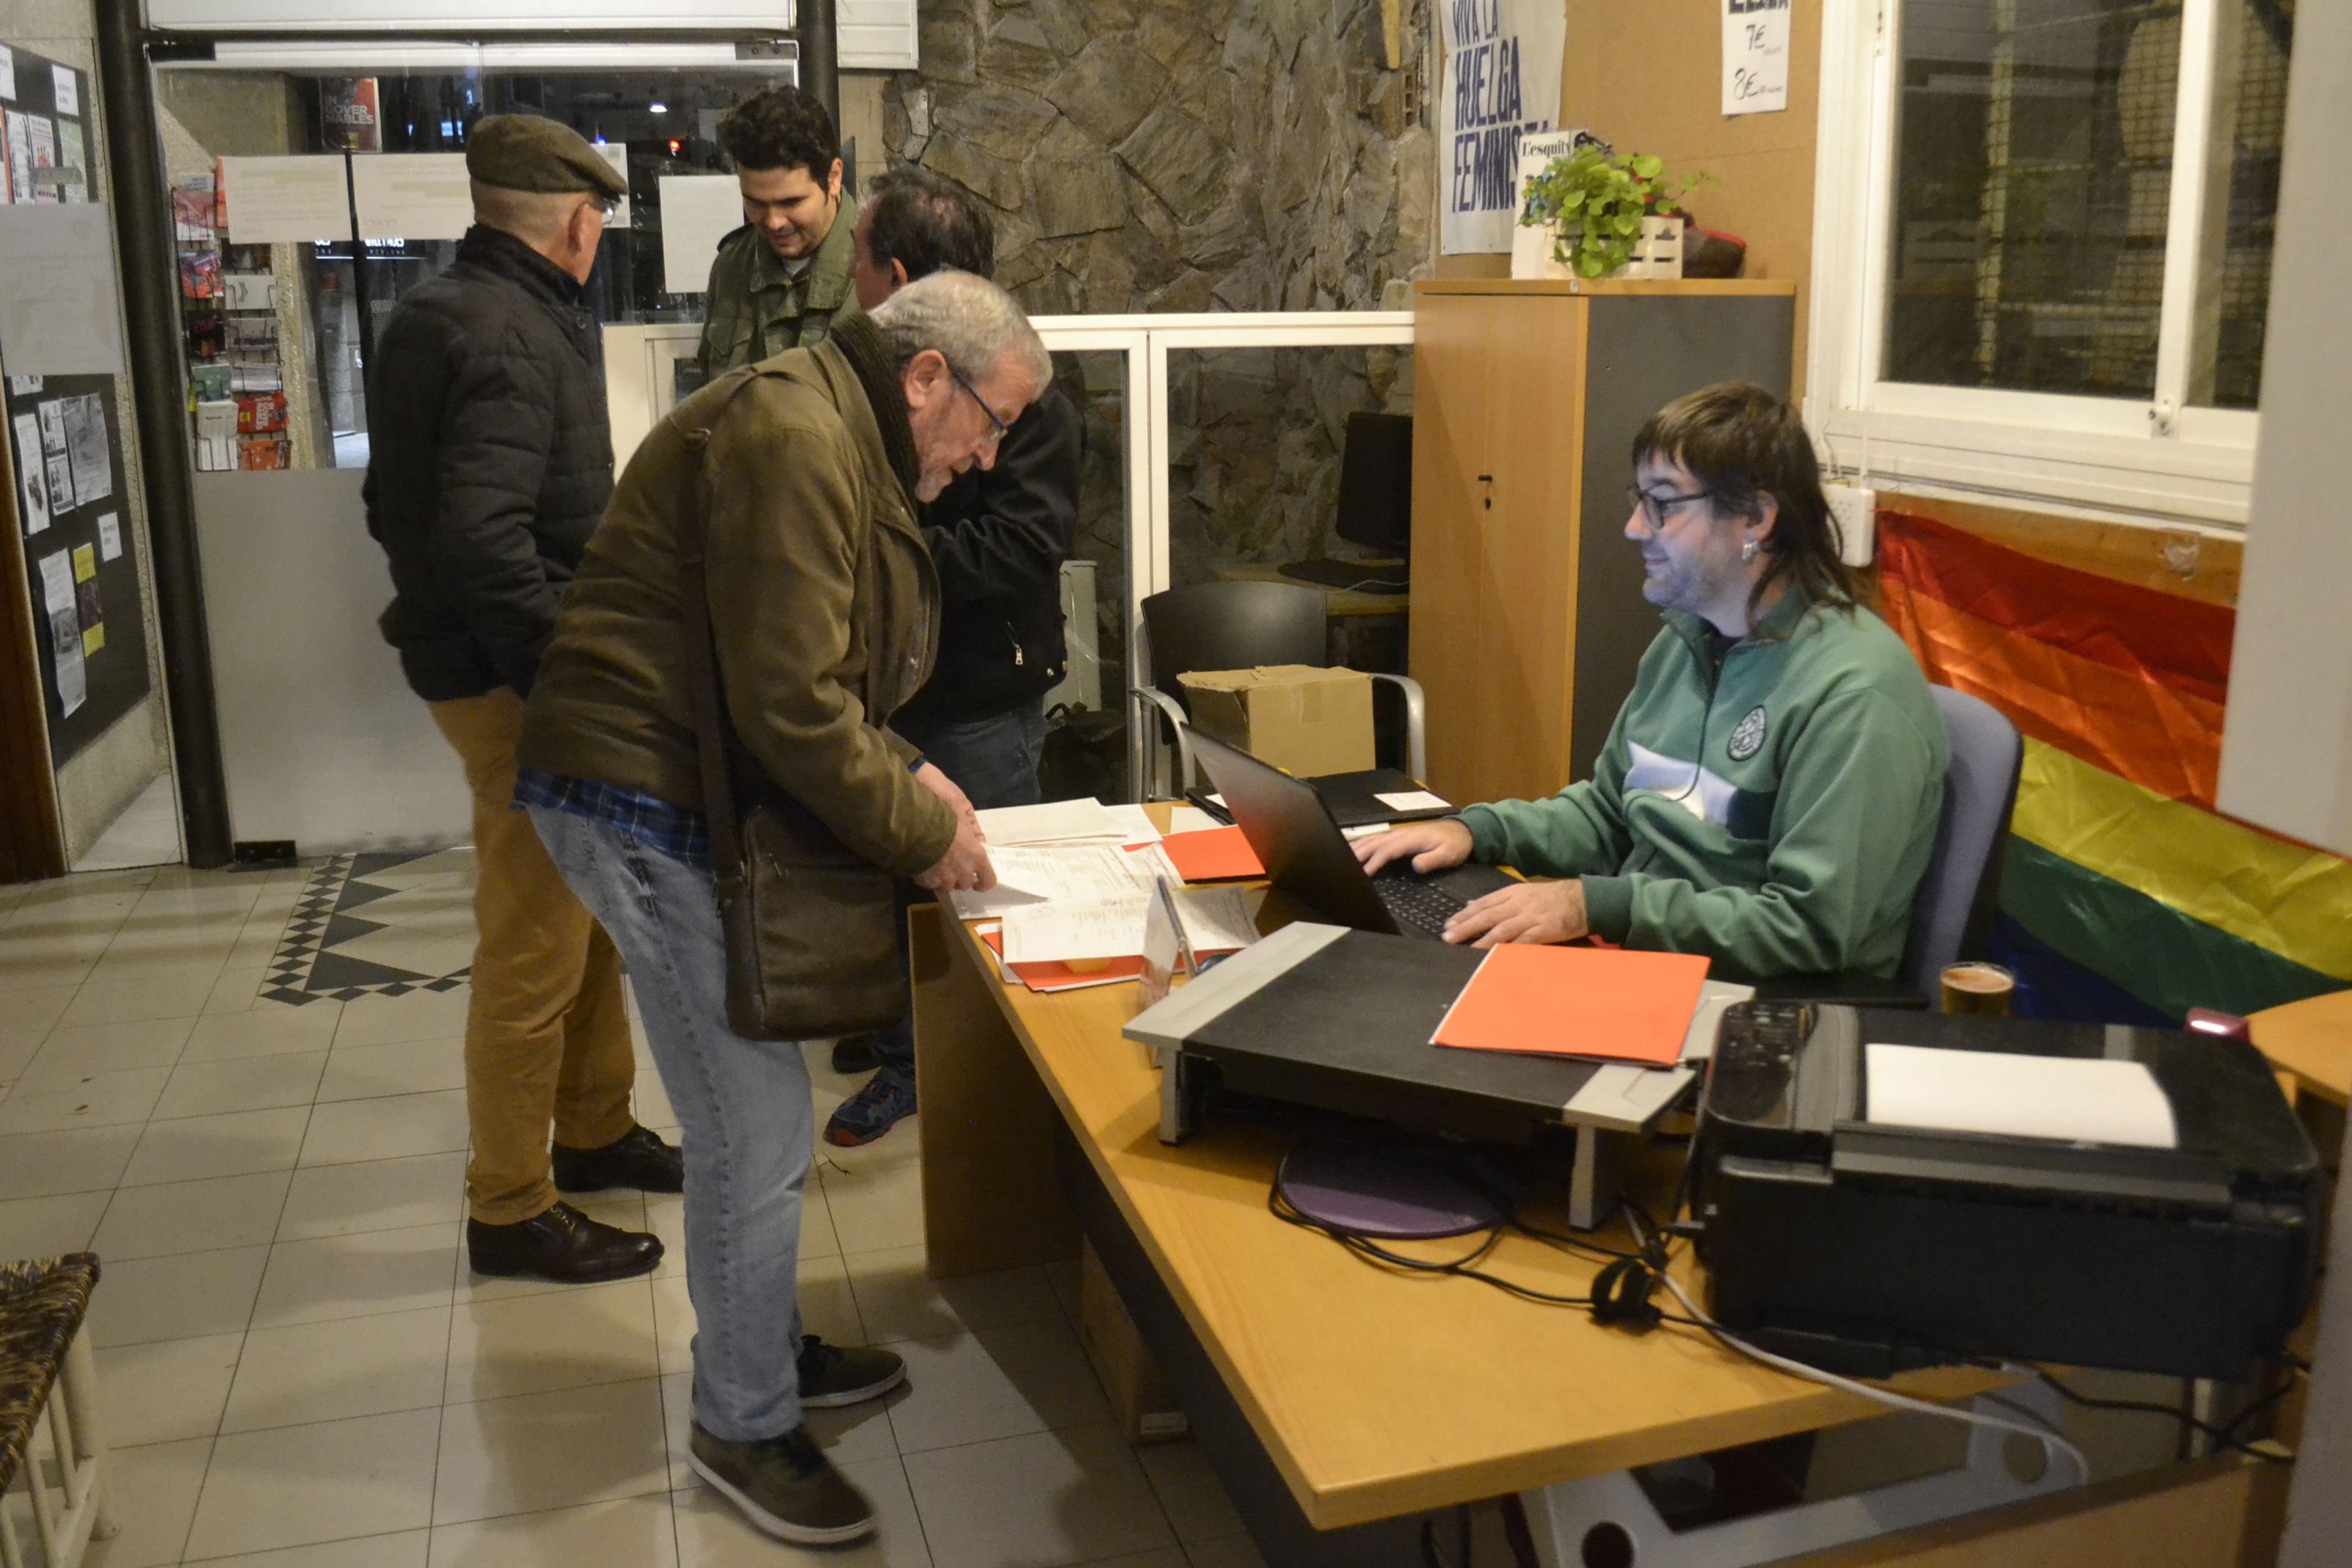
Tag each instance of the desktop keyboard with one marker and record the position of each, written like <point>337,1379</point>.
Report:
<point>1419,904</point>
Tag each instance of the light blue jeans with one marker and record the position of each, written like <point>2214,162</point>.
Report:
<point>744,1119</point>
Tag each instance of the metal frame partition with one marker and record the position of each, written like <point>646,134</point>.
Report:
<point>1147,341</point>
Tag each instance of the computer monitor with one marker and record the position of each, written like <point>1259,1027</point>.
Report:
<point>1376,483</point>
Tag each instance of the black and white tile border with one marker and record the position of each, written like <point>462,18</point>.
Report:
<point>306,968</point>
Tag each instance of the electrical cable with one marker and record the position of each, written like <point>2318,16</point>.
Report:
<point>2220,1436</point>
<point>2048,1440</point>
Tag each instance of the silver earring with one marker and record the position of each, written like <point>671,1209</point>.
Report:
<point>1747,551</point>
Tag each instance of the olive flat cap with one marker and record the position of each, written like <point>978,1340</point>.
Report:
<point>528,152</point>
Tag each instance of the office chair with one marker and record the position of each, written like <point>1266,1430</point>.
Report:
<point>1240,626</point>
<point>1952,914</point>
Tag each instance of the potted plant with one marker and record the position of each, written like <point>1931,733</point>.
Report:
<point>1610,215</point>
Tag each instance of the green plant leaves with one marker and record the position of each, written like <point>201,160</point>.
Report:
<point>1598,203</point>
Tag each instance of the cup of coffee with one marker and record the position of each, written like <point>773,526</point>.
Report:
<point>1975,987</point>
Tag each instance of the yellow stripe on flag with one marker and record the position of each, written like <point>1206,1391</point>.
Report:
<point>2298,902</point>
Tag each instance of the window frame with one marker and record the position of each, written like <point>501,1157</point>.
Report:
<point>2159,455</point>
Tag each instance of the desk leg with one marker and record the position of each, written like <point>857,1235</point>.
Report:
<point>989,1196</point>
<point>1614,1508</point>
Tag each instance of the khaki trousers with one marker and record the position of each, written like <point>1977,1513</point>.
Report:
<point>547,1034</point>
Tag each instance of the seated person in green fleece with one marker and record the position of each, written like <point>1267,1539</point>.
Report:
<point>1769,793</point>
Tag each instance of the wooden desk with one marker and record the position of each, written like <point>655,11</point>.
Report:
<point>2312,1041</point>
<point>1372,1395</point>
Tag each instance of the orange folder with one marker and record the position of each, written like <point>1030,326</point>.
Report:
<point>1052,977</point>
<point>1615,1007</point>
<point>1212,855</point>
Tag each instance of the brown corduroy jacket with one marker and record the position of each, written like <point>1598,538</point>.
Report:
<point>824,603</point>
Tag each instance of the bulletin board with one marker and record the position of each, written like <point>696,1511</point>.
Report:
<point>72,509</point>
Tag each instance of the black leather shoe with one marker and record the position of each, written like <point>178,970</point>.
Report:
<point>635,1158</point>
<point>562,1245</point>
<point>855,1053</point>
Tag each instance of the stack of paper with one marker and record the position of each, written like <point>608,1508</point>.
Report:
<point>1216,920</point>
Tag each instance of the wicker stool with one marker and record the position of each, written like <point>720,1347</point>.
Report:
<point>49,1380</point>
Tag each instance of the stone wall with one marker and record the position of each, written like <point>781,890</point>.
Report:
<point>1189,155</point>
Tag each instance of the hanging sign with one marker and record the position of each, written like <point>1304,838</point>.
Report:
<point>1501,83</point>
<point>1754,56</point>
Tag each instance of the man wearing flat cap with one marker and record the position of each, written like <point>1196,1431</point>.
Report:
<point>489,467</point>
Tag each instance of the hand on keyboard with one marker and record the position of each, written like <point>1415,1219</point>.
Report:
<point>1432,846</point>
<point>1526,911</point>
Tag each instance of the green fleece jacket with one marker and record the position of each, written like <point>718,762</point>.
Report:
<point>1775,813</point>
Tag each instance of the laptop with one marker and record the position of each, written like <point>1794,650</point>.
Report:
<point>1306,855</point>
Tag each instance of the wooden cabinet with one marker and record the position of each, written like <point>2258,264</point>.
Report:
<point>1527,615</point>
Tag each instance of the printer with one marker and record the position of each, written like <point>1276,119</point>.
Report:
<point>1878,1190</point>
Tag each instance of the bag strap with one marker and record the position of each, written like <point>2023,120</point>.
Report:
<point>702,683</point>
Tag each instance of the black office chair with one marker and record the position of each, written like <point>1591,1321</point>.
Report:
<point>1240,626</point>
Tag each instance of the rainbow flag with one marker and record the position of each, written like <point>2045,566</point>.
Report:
<point>2124,891</point>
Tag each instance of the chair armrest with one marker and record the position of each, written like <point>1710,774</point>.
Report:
<point>1416,749</point>
<point>1843,989</point>
<point>1177,719</point>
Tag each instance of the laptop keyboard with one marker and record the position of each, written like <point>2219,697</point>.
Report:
<point>1418,904</point>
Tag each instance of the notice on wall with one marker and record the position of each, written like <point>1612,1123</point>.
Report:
<point>7,73</point>
<point>412,196</point>
<point>698,211</point>
<point>297,199</point>
<point>57,313</point>
<point>69,92</point>
<point>110,537</point>
<point>93,467</point>
<point>1501,83</point>
<point>31,473</point>
<point>1754,56</point>
<point>57,598</point>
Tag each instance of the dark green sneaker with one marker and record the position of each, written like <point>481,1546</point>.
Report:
<point>785,1486</point>
<point>846,1374</point>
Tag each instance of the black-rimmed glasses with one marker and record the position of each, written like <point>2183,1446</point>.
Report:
<point>1656,507</point>
<point>1002,429</point>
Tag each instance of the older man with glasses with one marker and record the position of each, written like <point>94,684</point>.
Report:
<point>1768,794</point>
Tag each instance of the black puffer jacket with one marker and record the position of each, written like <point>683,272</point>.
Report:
<point>490,460</point>
<point>999,538</point>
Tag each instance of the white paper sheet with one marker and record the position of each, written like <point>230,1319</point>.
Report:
<point>7,73</point>
<point>65,630</point>
<point>32,468</point>
<point>2075,1099</point>
<point>1083,820</point>
<point>698,211</point>
<point>67,91</point>
<point>410,196</point>
<point>93,459</point>
<point>1412,800</point>
<point>1077,873</point>
<point>1190,819</point>
<point>110,537</point>
<point>1149,863</point>
<point>295,199</point>
<point>58,314</point>
<point>1216,920</point>
<point>1134,824</point>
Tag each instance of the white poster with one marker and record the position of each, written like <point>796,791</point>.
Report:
<point>32,471</point>
<point>93,460</point>
<point>617,154</point>
<point>7,73</point>
<point>110,537</point>
<point>58,314</point>
<point>412,196</point>
<point>65,630</point>
<point>68,96</point>
<point>298,198</point>
<point>698,211</point>
<point>1531,247</point>
<point>1501,82</point>
<point>1754,56</point>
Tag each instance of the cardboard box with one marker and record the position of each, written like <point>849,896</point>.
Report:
<point>1302,718</point>
<point>1140,1398</point>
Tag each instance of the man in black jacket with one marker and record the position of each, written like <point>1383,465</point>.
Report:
<point>999,537</point>
<point>490,466</point>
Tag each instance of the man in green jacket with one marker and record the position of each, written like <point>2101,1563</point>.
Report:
<point>802,474</point>
<point>780,281</point>
<point>1768,794</point>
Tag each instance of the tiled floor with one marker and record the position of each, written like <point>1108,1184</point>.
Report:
<point>299,1371</point>
<point>146,834</point>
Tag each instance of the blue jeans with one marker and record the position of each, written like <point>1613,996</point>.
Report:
<point>744,1119</point>
<point>995,762</point>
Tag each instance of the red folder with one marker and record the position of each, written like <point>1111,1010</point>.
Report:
<point>1212,855</point>
<point>1582,1002</point>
